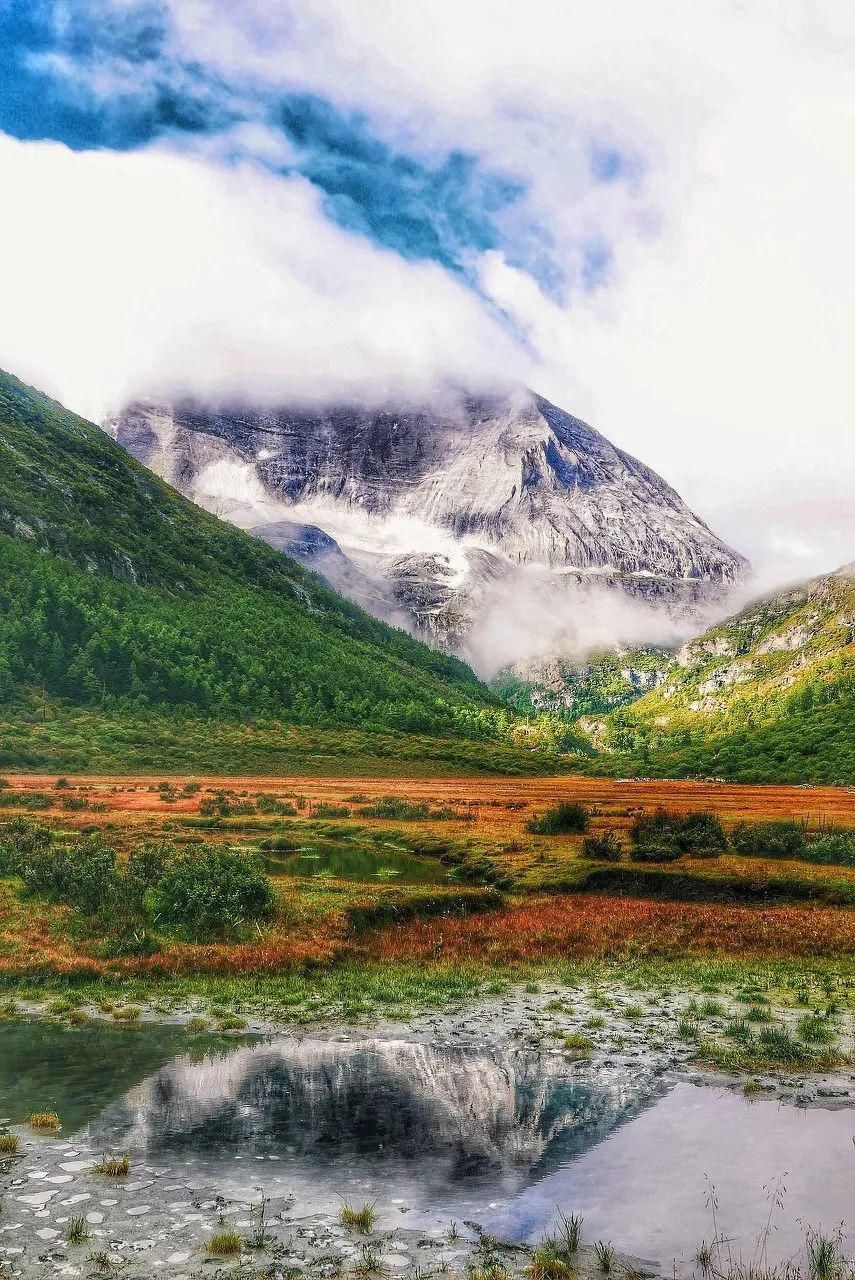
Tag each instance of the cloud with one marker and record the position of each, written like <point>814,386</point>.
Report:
<point>155,274</point>
<point>533,616</point>
<point>676,263</point>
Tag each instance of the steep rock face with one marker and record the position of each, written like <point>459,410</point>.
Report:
<point>447,505</point>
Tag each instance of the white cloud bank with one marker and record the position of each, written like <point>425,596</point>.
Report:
<point>153,273</point>
<point>719,350</point>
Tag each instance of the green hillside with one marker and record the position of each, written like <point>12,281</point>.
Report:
<point>122,604</point>
<point>766,696</point>
<point>567,688</point>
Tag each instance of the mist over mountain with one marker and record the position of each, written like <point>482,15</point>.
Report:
<point>498,527</point>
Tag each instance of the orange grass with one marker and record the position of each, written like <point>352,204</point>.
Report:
<point>37,937</point>
<point>130,797</point>
<point>598,926</point>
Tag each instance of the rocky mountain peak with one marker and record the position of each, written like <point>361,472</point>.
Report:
<point>434,510</point>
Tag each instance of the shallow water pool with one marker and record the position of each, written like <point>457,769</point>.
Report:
<point>436,1133</point>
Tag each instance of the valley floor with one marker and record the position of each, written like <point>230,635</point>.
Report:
<point>395,894</point>
<point>421,919</point>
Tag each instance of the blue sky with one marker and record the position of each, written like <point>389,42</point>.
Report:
<point>95,76</point>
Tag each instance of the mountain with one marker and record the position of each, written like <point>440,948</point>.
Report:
<point>121,599</point>
<point>768,695</point>
<point>450,511</point>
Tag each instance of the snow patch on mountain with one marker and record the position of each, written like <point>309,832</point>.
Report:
<point>499,527</point>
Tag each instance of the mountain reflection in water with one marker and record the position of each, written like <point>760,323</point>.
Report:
<point>450,1115</point>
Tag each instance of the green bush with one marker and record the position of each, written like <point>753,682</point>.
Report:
<point>404,811</point>
<point>700,832</point>
<point>606,847</point>
<point>835,848</point>
<point>211,893</point>
<point>25,841</point>
<point>662,851</point>
<point>82,874</point>
<point>563,819</point>
<point>769,839</point>
<point>146,867</point>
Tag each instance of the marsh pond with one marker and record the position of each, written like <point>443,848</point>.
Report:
<point>428,1134</point>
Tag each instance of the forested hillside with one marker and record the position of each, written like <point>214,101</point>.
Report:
<point>768,695</point>
<point>117,595</point>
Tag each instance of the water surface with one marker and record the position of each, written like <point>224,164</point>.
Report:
<point>354,862</point>
<point>435,1133</point>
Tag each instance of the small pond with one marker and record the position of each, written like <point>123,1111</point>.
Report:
<point>439,1133</point>
<point>345,861</point>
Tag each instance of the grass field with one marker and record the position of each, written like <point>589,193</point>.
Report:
<point>484,891</point>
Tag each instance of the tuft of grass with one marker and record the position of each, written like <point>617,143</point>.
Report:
<point>232,1023</point>
<point>632,1012</point>
<point>711,1009</point>
<point>548,1263</point>
<point>687,1030</point>
<point>196,1025</point>
<point>752,1087</point>
<point>130,1013</point>
<point>705,1259</point>
<point>60,1006</point>
<point>9,1144</point>
<point>44,1121</point>
<point>571,1231</point>
<point>604,1255</point>
<point>823,1256</point>
<point>225,1244</point>
<point>361,1220</point>
<point>113,1167</point>
<point>77,1018</point>
<point>492,1269</point>
<point>77,1232</point>
<point>578,1043</point>
<point>815,1029</point>
<point>758,1013</point>
<point>101,1261</point>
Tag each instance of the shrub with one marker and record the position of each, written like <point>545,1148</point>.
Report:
<point>699,833</point>
<point>82,875</point>
<point>403,811</point>
<point>769,839</point>
<point>836,848</point>
<point>662,852</point>
<point>147,865</point>
<point>211,892</point>
<point>25,842</point>
<point>562,819</point>
<point>606,847</point>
